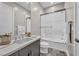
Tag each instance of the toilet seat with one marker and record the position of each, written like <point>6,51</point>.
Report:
<point>44,47</point>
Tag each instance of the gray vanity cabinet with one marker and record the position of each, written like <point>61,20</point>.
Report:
<point>23,52</point>
<point>32,49</point>
<point>35,48</point>
<point>14,54</point>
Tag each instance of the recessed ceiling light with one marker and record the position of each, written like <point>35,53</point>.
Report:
<point>51,2</point>
<point>35,8</point>
<point>15,8</point>
<point>27,2</point>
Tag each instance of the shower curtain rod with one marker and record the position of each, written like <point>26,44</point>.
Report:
<point>53,12</point>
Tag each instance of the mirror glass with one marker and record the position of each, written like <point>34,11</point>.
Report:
<point>20,16</point>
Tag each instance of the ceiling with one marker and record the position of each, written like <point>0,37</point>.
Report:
<point>44,5</point>
<point>25,5</point>
<point>48,4</point>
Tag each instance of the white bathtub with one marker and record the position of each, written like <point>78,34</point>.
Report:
<point>56,43</point>
<point>58,40</point>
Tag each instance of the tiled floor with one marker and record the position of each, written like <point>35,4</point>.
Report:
<point>54,52</point>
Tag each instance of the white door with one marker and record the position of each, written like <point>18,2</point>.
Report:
<point>77,31</point>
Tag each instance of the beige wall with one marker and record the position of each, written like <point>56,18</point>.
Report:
<point>35,19</point>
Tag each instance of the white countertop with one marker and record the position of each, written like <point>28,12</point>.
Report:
<point>11,48</point>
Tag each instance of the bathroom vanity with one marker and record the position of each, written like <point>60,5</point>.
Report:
<point>32,49</point>
<point>25,47</point>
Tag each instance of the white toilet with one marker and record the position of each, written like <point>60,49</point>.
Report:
<point>44,47</point>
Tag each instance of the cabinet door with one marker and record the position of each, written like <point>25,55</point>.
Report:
<point>35,48</point>
<point>24,51</point>
<point>77,31</point>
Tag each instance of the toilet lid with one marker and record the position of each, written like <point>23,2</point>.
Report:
<point>44,43</point>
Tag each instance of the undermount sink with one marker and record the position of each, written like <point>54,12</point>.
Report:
<point>3,46</point>
<point>23,40</point>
